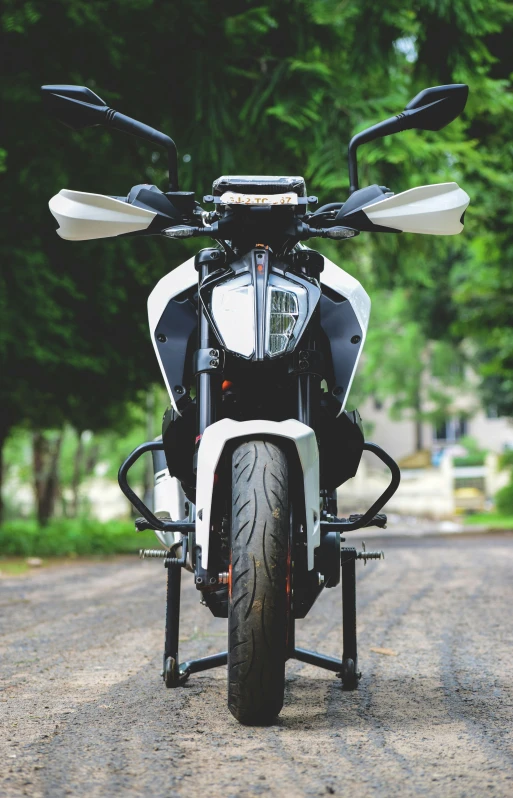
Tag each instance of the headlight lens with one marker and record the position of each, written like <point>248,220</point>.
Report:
<point>233,309</point>
<point>283,315</point>
<point>260,321</point>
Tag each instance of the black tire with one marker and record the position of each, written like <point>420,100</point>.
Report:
<point>257,609</point>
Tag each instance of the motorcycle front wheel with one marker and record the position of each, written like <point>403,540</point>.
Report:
<point>258,601</point>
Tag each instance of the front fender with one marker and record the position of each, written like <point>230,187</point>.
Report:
<point>211,448</point>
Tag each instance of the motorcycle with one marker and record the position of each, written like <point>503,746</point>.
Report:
<point>258,338</point>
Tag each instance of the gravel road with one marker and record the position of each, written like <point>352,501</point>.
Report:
<point>84,711</point>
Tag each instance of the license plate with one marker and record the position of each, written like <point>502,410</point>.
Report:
<point>234,198</point>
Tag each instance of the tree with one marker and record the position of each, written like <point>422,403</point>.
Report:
<point>402,367</point>
<point>276,87</point>
<point>73,343</point>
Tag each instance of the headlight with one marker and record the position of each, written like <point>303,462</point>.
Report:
<point>282,317</point>
<point>259,314</point>
<point>287,309</point>
<point>233,309</point>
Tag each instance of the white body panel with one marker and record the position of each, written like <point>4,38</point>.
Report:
<point>172,284</point>
<point>346,285</point>
<point>185,276</point>
<point>432,210</point>
<point>84,216</point>
<point>168,502</point>
<point>211,448</point>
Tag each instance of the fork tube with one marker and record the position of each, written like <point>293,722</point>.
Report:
<point>204,393</point>
<point>304,398</point>
<point>308,393</point>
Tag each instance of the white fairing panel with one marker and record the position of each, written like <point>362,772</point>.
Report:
<point>211,448</point>
<point>168,502</point>
<point>432,210</point>
<point>84,216</point>
<point>185,276</point>
<point>176,282</point>
<point>347,286</point>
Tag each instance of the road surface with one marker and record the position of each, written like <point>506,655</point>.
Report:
<point>84,712</point>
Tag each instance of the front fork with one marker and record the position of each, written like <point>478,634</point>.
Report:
<point>308,407</point>
<point>207,389</point>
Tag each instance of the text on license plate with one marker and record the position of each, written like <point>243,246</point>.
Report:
<point>233,198</point>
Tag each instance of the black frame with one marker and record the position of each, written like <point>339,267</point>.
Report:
<point>327,349</point>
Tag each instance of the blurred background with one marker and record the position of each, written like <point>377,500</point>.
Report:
<point>266,88</point>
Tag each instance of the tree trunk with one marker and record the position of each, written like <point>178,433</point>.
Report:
<point>4,432</point>
<point>77,475</point>
<point>419,438</point>
<point>46,474</point>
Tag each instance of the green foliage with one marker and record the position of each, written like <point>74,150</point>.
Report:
<point>504,500</point>
<point>469,460</point>
<point>491,520</point>
<point>506,459</point>
<point>101,454</point>
<point>475,456</point>
<point>402,365</point>
<point>255,87</point>
<point>68,537</point>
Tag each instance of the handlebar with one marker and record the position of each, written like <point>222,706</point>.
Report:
<point>175,212</point>
<point>303,233</point>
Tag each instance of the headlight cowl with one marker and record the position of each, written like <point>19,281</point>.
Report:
<point>258,321</point>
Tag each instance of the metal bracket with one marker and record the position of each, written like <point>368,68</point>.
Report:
<point>207,360</point>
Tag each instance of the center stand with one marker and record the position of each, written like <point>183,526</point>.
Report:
<point>175,674</point>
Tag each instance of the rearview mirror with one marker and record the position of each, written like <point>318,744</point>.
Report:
<point>75,106</point>
<point>78,107</point>
<point>431,109</point>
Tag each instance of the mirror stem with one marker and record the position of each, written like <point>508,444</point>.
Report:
<point>385,128</point>
<point>127,125</point>
<point>353,165</point>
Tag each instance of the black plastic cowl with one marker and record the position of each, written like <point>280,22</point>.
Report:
<point>352,214</point>
<point>171,208</point>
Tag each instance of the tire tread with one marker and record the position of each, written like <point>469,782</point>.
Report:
<point>257,607</point>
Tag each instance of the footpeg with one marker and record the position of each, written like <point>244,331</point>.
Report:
<point>369,555</point>
<point>142,525</point>
<point>379,520</point>
<point>153,554</point>
<point>164,525</point>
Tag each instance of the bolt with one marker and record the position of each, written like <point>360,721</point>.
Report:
<point>213,353</point>
<point>212,580</point>
<point>214,255</point>
<point>214,363</point>
<point>199,580</point>
<point>303,364</point>
<point>356,339</point>
<point>179,389</point>
<point>337,390</point>
<point>161,338</point>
